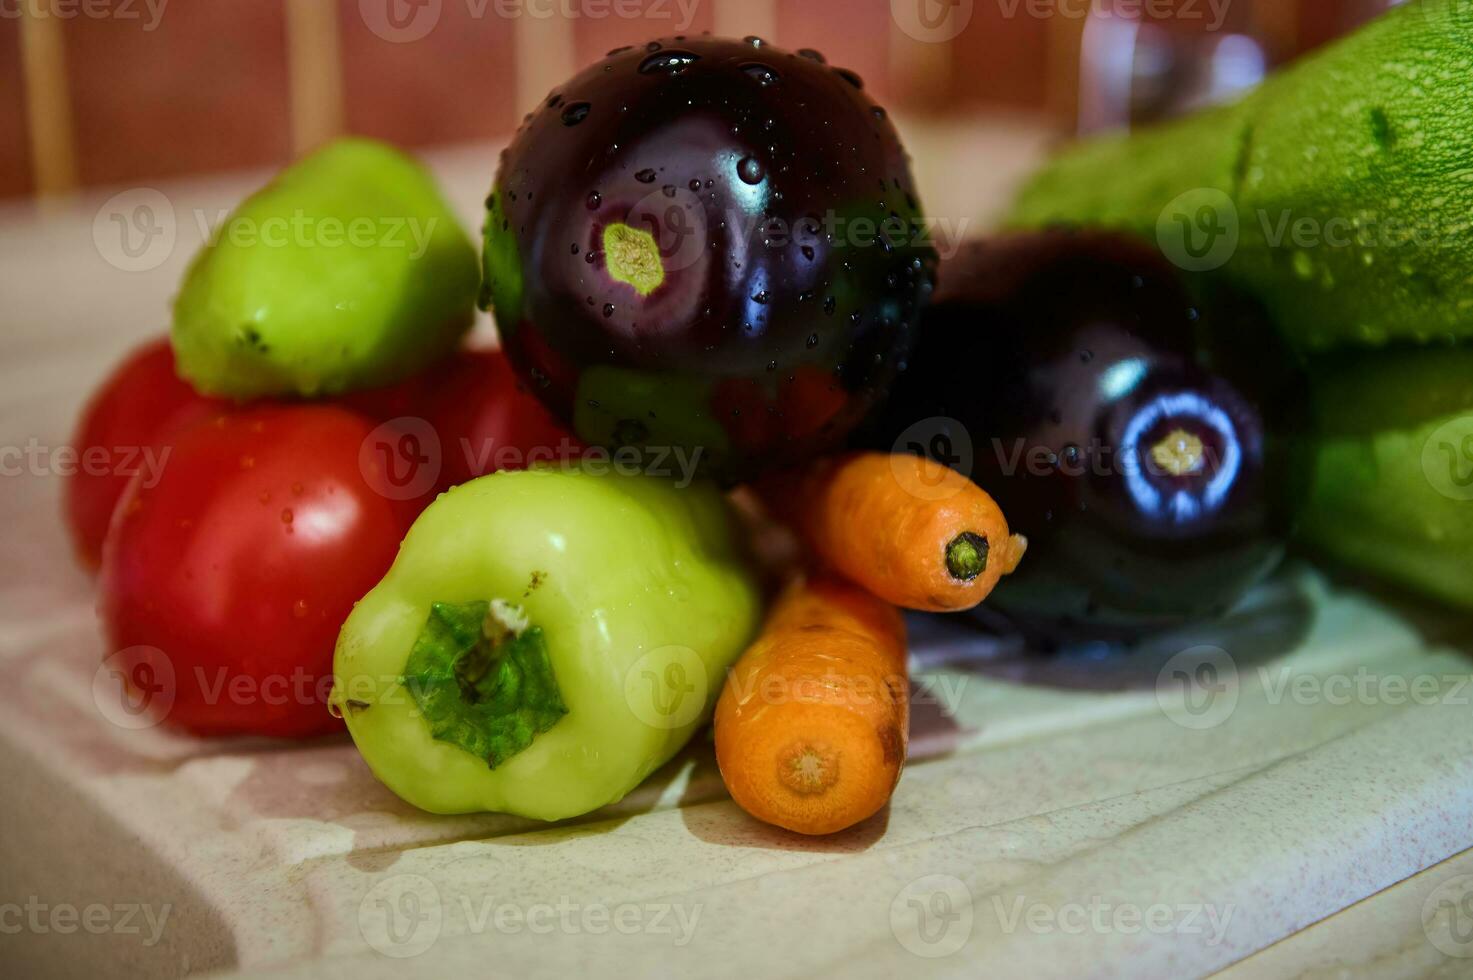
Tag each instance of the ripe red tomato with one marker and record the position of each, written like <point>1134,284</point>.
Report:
<point>394,401</point>
<point>486,420</point>
<point>125,429</point>
<point>224,585</point>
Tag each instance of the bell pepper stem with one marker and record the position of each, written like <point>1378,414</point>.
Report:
<point>482,679</point>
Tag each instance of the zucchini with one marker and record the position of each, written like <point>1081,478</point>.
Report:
<point>1340,193</point>
<point>1392,489</point>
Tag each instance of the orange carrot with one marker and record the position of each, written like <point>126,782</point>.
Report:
<point>910,530</point>
<point>812,725</point>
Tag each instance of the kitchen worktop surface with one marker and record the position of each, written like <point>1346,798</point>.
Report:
<point>1288,793</point>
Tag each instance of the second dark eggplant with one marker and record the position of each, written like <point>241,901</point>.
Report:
<point>1140,435</point>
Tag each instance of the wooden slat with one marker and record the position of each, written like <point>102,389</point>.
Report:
<point>48,103</point>
<point>1003,58</point>
<point>546,57</point>
<point>314,56</point>
<point>1065,42</point>
<point>15,150</point>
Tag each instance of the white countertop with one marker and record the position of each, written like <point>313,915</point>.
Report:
<point>1058,818</point>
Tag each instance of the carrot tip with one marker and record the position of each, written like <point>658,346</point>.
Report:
<point>966,556</point>
<point>1017,548</point>
<point>808,768</point>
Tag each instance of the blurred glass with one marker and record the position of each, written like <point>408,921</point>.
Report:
<point>1135,70</point>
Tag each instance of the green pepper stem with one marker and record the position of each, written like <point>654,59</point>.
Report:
<point>483,679</point>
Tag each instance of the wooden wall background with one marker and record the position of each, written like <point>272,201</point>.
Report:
<point>99,92</point>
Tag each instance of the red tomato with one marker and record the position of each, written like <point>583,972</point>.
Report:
<point>383,404</point>
<point>224,585</point>
<point>125,429</point>
<point>485,419</point>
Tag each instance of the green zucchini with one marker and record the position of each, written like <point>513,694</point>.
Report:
<point>1393,468</point>
<point>1340,192</point>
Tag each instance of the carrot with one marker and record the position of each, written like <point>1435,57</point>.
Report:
<point>912,531</point>
<point>811,727</point>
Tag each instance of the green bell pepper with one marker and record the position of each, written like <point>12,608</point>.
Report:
<point>545,640</point>
<point>347,271</point>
